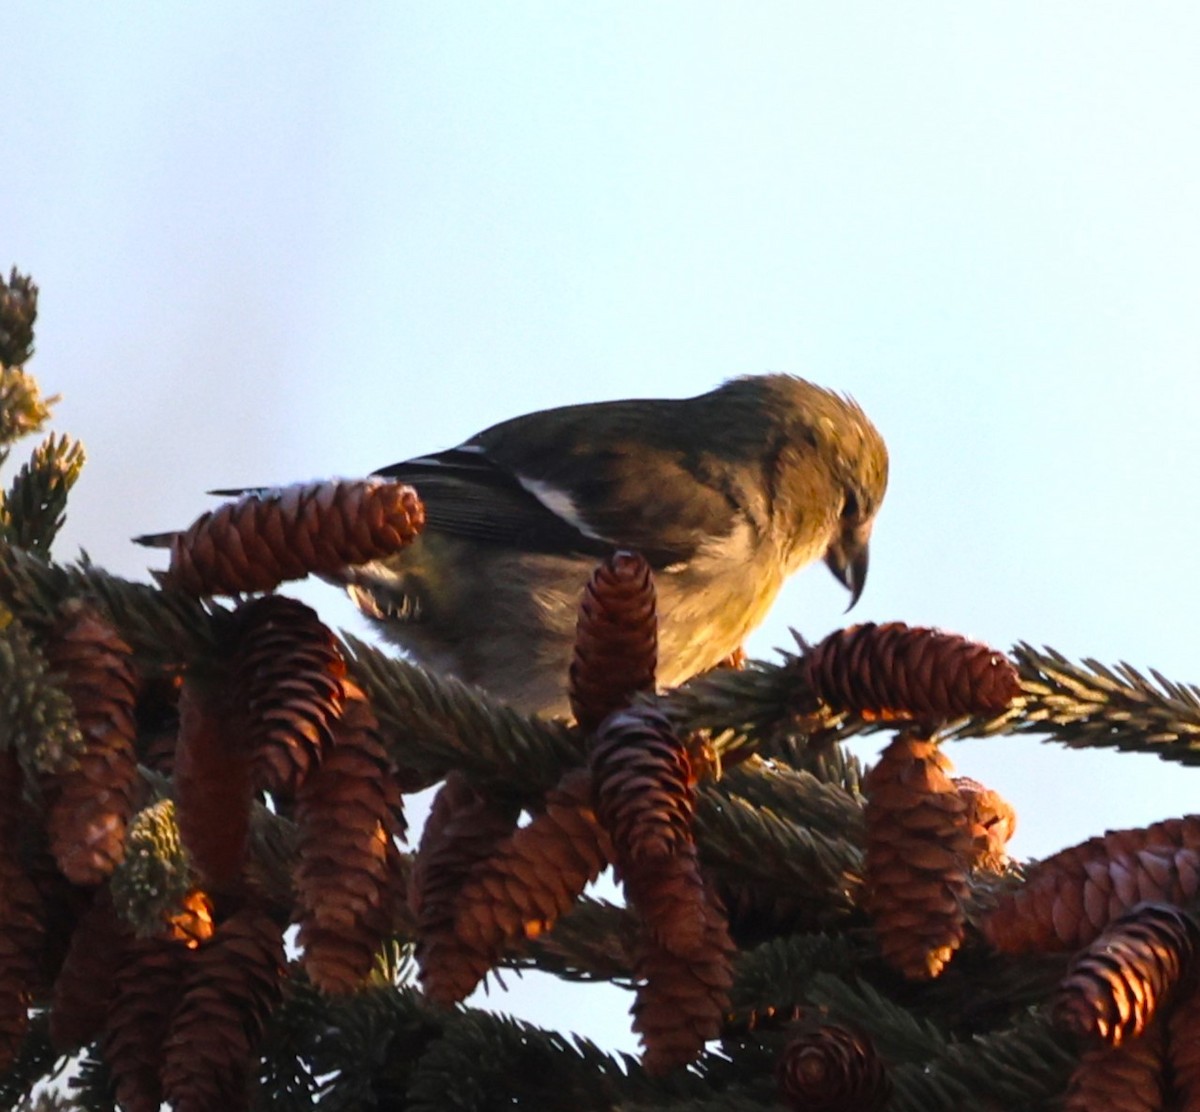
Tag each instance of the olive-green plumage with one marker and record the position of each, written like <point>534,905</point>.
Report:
<point>726,494</point>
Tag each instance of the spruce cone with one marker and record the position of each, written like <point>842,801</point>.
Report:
<point>1183,1049</point>
<point>1067,899</point>
<point>92,801</point>
<point>830,1069</point>
<point>894,672</point>
<point>347,814</point>
<point>146,990</point>
<point>22,918</point>
<point>1128,1078</point>
<point>291,674</point>
<point>212,783</point>
<point>992,821</point>
<point>644,799</point>
<point>535,874</point>
<point>1116,986</point>
<point>918,846</point>
<point>616,639</point>
<point>83,990</point>
<point>643,785</point>
<point>263,539</point>
<point>681,1001</point>
<point>462,831</point>
<point>232,985</point>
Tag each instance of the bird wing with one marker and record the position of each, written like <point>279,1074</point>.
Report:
<point>468,495</point>
<point>634,490</point>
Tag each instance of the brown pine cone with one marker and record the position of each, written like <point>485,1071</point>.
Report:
<point>643,785</point>
<point>265,538</point>
<point>644,799</point>
<point>1127,1078</point>
<point>83,990</point>
<point>681,1001</point>
<point>1116,986</point>
<point>616,639</point>
<point>831,1069</point>
<point>232,984</point>
<point>894,672</point>
<point>291,677</point>
<point>462,831</point>
<point>213,788</point>
<point>1067,899</point>
<point>347,815</point>
<point>1183,1047</point>
<point>535,874</point>
<point>145,991</point>
<point>918,846</point>
<point>992,821</point>
<point>91,802</point>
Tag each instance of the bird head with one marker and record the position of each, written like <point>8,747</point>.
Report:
<point>860,466</point>
<point>828,475</point>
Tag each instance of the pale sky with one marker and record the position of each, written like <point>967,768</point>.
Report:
<point>283,241</point>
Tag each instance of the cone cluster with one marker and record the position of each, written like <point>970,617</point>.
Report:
<point>286,720</point>
<point>644,799</point>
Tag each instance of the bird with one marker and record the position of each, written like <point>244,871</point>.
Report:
<point>725,494</point>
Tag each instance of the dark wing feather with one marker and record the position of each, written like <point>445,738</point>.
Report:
<point>468,495</point>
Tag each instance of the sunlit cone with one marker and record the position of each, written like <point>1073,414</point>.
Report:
<point>1116,986</point>
<point>895,672</point>
<point>918,847</point>
<point>268,537</point>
